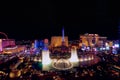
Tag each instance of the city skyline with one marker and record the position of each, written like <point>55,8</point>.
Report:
<point>59,40</point>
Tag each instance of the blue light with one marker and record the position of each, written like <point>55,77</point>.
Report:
<point>39,44</point>
<point>36,44</point>
<point>63,34</point>
<point>45,48</point>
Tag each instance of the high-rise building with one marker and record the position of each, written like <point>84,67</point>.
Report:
<point>92,39</point>
<point>39,44</point>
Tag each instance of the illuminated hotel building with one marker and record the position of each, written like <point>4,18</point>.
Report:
<point>92,40</point>
<point>6,43</point>
<point>57,41</point>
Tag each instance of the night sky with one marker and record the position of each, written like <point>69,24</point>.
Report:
<point>45,18</point>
